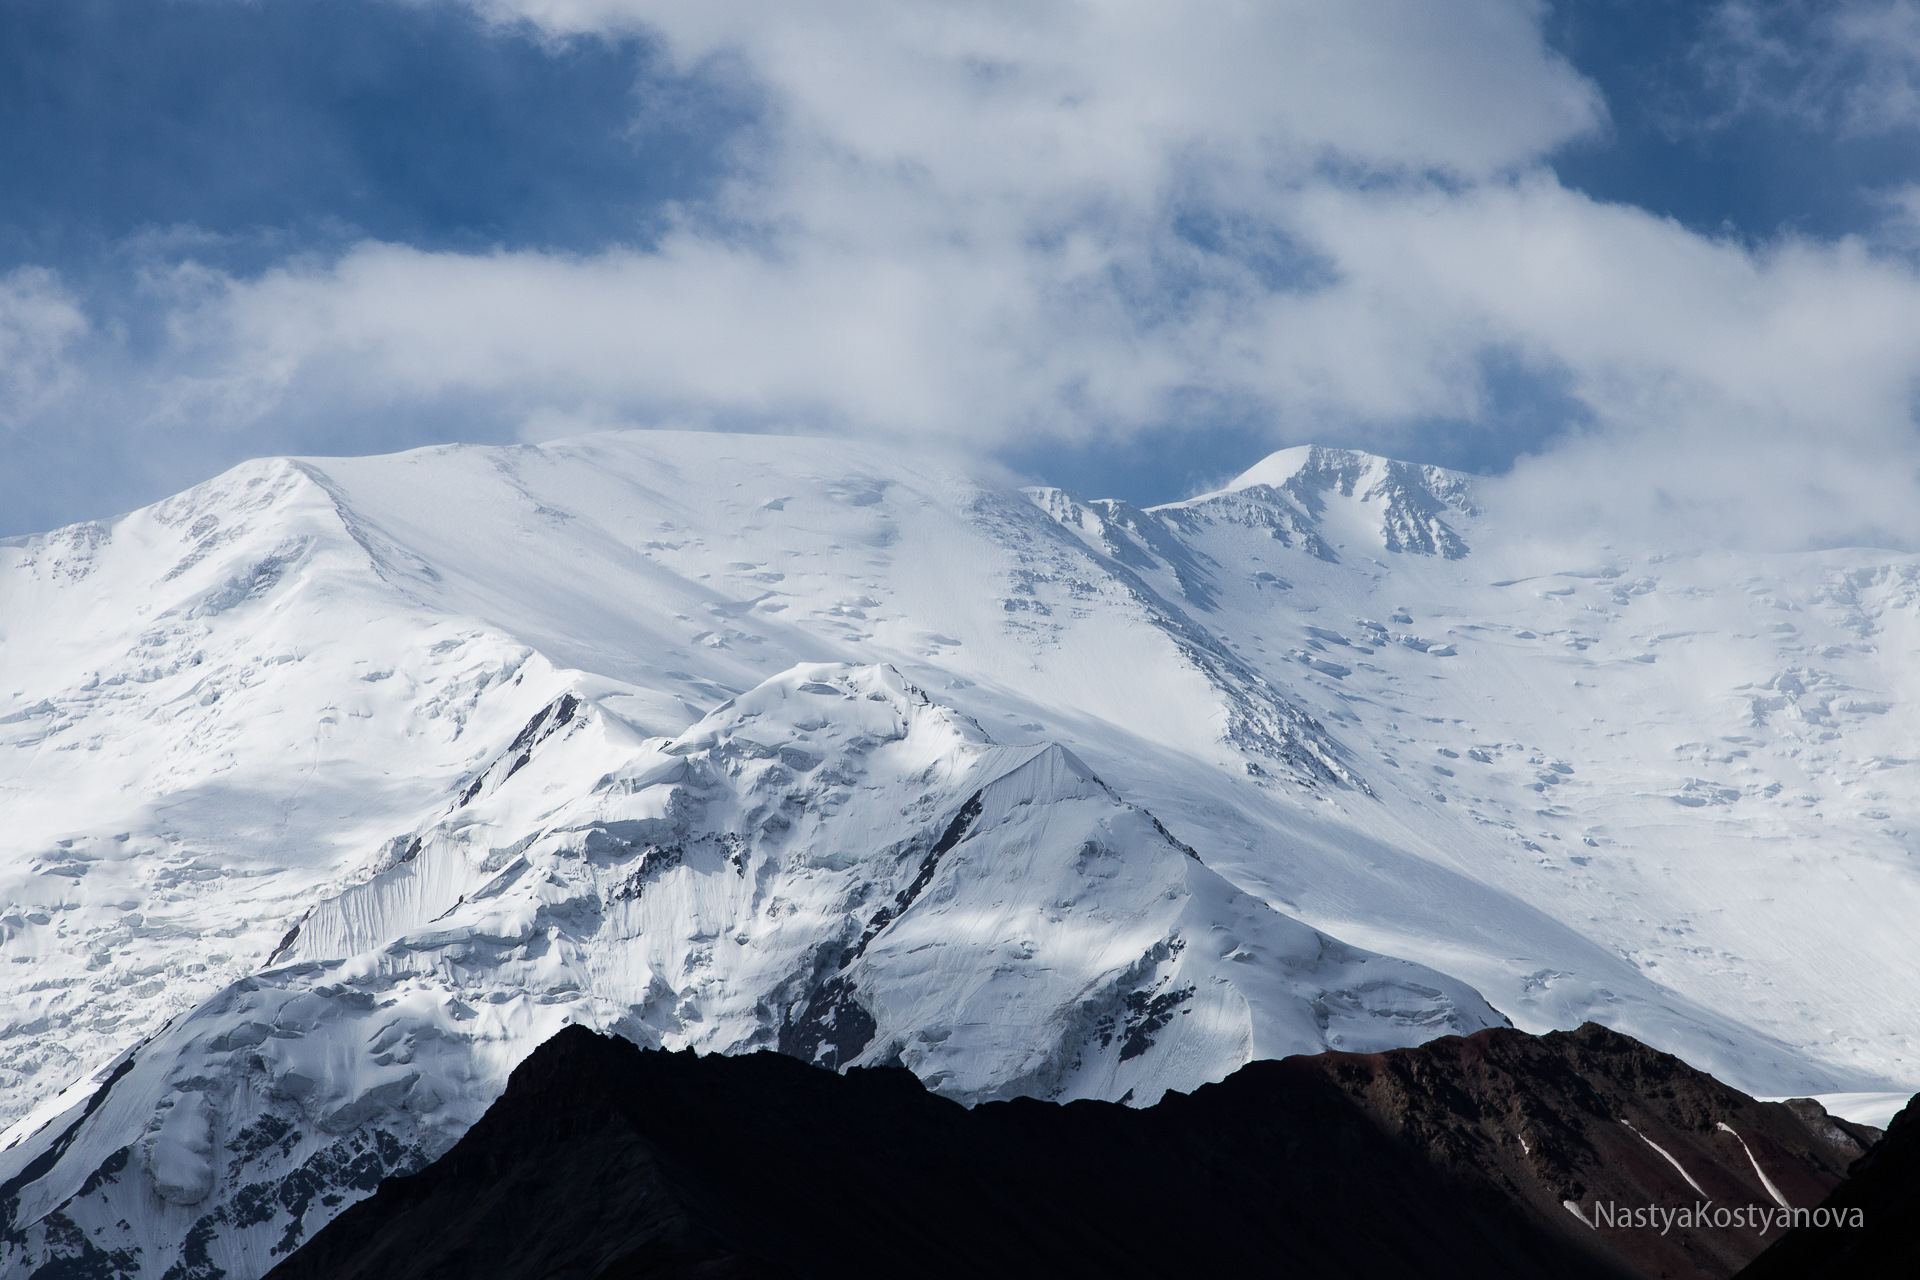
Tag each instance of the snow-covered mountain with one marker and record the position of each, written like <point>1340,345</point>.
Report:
<point>334,786</point>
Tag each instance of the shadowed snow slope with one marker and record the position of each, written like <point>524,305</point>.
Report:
<point>333,786</point>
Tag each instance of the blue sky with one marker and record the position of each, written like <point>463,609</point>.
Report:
<point>1123,248</point>
<point>300,125</point>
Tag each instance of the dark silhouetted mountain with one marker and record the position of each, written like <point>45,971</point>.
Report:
<point>1453,1159</point>
<point>1884,1186</point>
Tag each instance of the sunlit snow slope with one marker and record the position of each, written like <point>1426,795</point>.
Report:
<point>333,786</point>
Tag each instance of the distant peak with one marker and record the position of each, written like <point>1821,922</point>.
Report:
<point>1409,503</point>
<point>1349,470</point>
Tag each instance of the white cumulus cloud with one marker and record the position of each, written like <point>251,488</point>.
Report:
<point>990,223</point>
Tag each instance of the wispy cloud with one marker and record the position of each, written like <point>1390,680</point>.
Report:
<point>40,325</point>
<point>1852,66</point>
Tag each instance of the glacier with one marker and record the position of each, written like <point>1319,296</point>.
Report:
<point>336,785</point>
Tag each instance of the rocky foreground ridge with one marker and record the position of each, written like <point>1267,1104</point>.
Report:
<point>1469,1156</point>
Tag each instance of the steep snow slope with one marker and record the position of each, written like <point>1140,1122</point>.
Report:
<point>401,737</point>
<point>216,712</point>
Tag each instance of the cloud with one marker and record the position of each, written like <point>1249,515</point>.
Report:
<point>1850,66</point>
<point>1067,92</point>
<point>997,224</point>
<point>948,199</point>
<point>1700,361</point>
<point>1754,397</point>
<point>40,325</point>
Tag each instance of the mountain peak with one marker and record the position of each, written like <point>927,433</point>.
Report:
<point>1283,465</point>
<point>1351,471</point>
<point>1409,506</point>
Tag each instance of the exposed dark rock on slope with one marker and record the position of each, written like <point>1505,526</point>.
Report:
<point>1885,1187</point>
<point>1583,1127</point>
<point>1452,1159</point>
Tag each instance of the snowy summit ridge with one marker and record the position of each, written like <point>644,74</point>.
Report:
<point>337,785</point>
<point>1410,505</point>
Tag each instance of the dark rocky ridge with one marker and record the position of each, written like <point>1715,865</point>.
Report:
<point>1452,1159</point>
<point>1885,1187</point>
